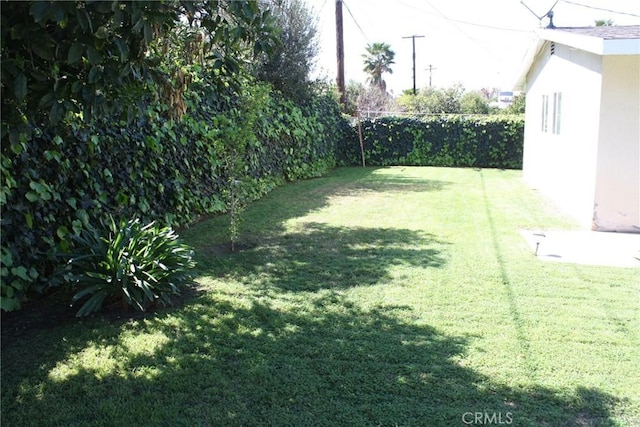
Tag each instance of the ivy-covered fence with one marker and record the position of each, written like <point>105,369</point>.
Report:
<point>463,141</point>
<point>67,177</point>
<point>64,178</point>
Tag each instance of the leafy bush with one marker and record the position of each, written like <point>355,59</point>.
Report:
<point>108,58</point>
<point>447,140</point>
<point>173,172</point>
<point>134,111</point>
<point>138,265</point>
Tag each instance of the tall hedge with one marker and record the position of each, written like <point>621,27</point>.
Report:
<point>463,141</point>
<point>67,177</point>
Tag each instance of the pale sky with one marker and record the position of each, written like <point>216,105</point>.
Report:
<point>479,43</point>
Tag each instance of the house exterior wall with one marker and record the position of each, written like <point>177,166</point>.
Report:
<point>617,191</point>
<point>562,165</point>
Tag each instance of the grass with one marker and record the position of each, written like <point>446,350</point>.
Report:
<point>371,296</point>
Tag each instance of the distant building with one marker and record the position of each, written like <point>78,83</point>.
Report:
<point>582,123</point>
<point>505,98</point>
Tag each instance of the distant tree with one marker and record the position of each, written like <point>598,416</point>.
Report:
<point>448,100</point>
<point>374,102</point>
<point>490,93</point>
<point>433,100</point>
<point>452,100</point>
<point>288,66</point>
<point>354,90</point>
<point>367,101</point>
<point>377,61</point>
<point>517,106</point>
<point>474,103</point>
<point>603,22</point>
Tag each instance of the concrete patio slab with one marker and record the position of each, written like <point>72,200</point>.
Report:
<point>585,247</point>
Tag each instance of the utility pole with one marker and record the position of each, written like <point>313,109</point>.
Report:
<point>340,54</point>
<point>430,69</point>
<point>413,41</point>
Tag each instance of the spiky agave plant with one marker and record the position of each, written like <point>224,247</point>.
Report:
<point>127,261</point>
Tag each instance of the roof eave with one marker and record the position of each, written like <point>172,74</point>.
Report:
<point>596,45</point>
<point>520,84</point>
<point>593,44</point>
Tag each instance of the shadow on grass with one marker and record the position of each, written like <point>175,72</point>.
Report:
<point>380,181</point>
<point>223,362</point>
<point>324,257</point>
<point>295,200</point>
<point>292,350</point>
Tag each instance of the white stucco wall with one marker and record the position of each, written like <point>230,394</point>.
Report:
<point>563,166</point>
<point>617,191</point>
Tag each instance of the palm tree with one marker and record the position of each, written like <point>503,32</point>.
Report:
<point>377,61</point>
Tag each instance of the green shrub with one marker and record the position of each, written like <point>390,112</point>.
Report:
<point>490,141</point>
<point>59,180</point>
<point>126,261</point>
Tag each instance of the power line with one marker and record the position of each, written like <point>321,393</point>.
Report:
<point>452,22</point>
<point>475,24</point>
<point>491,27</point>
<point>354,20</point>
<point>322,7</point>
<point>600,8</point>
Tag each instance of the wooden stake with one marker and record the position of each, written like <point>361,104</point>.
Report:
<point>360,137</point>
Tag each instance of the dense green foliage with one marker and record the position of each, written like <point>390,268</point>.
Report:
<point>139,110</point>
<point>158,169</point>
<point>111,57</point>
<point>128,262</point>
<point>467,141</point>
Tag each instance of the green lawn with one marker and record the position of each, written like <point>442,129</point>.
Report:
<point>369,297</point>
